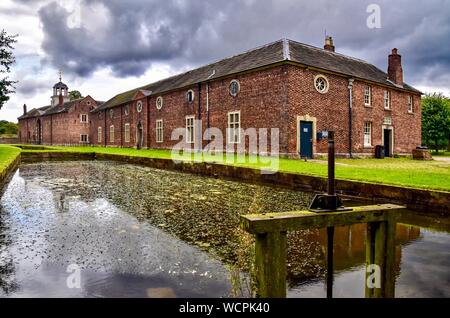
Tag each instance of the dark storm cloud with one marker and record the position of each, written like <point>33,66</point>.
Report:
<point>182,32</point>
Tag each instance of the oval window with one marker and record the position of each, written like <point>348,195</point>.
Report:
<point>321,84</point>
<point>127,110</point>
<point>139,107</point>
<point>159,102</point>
<point>235,88</point>
<point>190,96</point>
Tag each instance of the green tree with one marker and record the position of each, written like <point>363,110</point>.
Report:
<point>7,128</point>
<point>75,95</point>
<point>7,59</point>
<point>435,121</point>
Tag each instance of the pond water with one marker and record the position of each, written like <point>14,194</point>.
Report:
<point>139,232</point>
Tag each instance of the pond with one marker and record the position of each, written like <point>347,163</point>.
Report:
<point>133,231</point>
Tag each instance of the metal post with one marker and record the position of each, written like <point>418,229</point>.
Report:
<point>331,164</point>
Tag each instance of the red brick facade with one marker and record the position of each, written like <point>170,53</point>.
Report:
<point>281,95</point>
<point>64,128</point>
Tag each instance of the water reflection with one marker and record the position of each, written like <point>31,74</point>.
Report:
<point>140,232</point>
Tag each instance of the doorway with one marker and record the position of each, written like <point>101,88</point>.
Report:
<point>387,140</point>
<point>139,136</point>
<point>39,132</point>
<point>306,139</point>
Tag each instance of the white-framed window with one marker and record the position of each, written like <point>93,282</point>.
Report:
<point>387,100</point>
<point>321,84</point>
<point>190,96</point>
<point>84,138</point>
<point>139,106</point>
<point>367,95</point>
<point>159,131</point>
<point>235,88</point>
<point>127,132</point>
<point>190,131</point>
<point>83,118</point>
<point>99,134</point>
<point>367,134</point>
<point>111,134</point>
<point>159,102</point>
<point>410,104</point>
<point>234,128</point>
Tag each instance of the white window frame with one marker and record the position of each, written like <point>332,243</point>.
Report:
<point>99,134</point>
<point>159,131</point>
<point>234,128</point>
<point>84,121</point>
<point>368,96</point>
<point>234,94</point>
<point>387,99</point>
<point>190,124</point>
<point>159,103</point>
<point>127,132</point>
<point>367,134</point>
<point>410,104</point>
<point>84,141</point>
<point>190,93</point>
<point>111,134</point>
<point>326,83</point>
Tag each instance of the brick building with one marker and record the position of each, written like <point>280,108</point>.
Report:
<point>63,122</point>
<point>296,88</point>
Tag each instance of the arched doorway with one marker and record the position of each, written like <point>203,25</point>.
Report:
<point>39,132</point>
<point>139,135</point>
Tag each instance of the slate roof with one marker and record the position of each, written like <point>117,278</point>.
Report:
<point>52,110</point>
<point>276,52</point>
<point>35,112</point>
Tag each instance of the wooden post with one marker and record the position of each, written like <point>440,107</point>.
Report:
<point>380,251</point>
<point>270,264</point>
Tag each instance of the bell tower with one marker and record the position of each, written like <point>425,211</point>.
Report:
<point>60,93</point>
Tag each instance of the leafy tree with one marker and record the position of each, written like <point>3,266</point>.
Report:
<point>75,95</point>
<point>7,59</point>
<point>7,128</point>
<point>436,121</point>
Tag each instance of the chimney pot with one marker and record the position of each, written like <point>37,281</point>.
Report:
<point>395,70</point>
<point>329,45</point>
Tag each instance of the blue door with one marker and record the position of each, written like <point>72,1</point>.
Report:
<point>306,139</point>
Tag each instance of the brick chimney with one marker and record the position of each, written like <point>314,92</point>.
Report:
<point>24,109</point>
<point>395,70</point>
<point>329,45</point>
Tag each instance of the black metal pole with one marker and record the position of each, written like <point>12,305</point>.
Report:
<point>331,164</point>
<point>330,252</point>
<point>330,230</point>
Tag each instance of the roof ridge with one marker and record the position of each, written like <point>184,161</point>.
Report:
<point>330,52</point>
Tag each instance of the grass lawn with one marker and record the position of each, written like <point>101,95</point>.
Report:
<point>403,172</point>
<point>7,155</point>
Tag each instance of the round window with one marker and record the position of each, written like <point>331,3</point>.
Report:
<point>159,102</point>
<point>127,110</point>
<point>139,107</point>
<point>235,88</point>
<point>190,96</point>
<point>111,113</point>
<point>321,84</point>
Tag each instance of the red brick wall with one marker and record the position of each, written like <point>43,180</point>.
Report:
<point>331,112</point>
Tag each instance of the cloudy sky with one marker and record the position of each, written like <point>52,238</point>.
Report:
<point>107,46</point>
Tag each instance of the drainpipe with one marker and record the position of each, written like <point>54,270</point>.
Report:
<point>105,141</point>
<point>350,117</point>
<point>208,125</point>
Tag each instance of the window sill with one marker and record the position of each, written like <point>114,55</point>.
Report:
<point>388,109</point>
<point>368,106</point>
<point>411,113</point>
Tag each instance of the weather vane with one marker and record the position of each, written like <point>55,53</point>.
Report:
<point>60,75</point>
